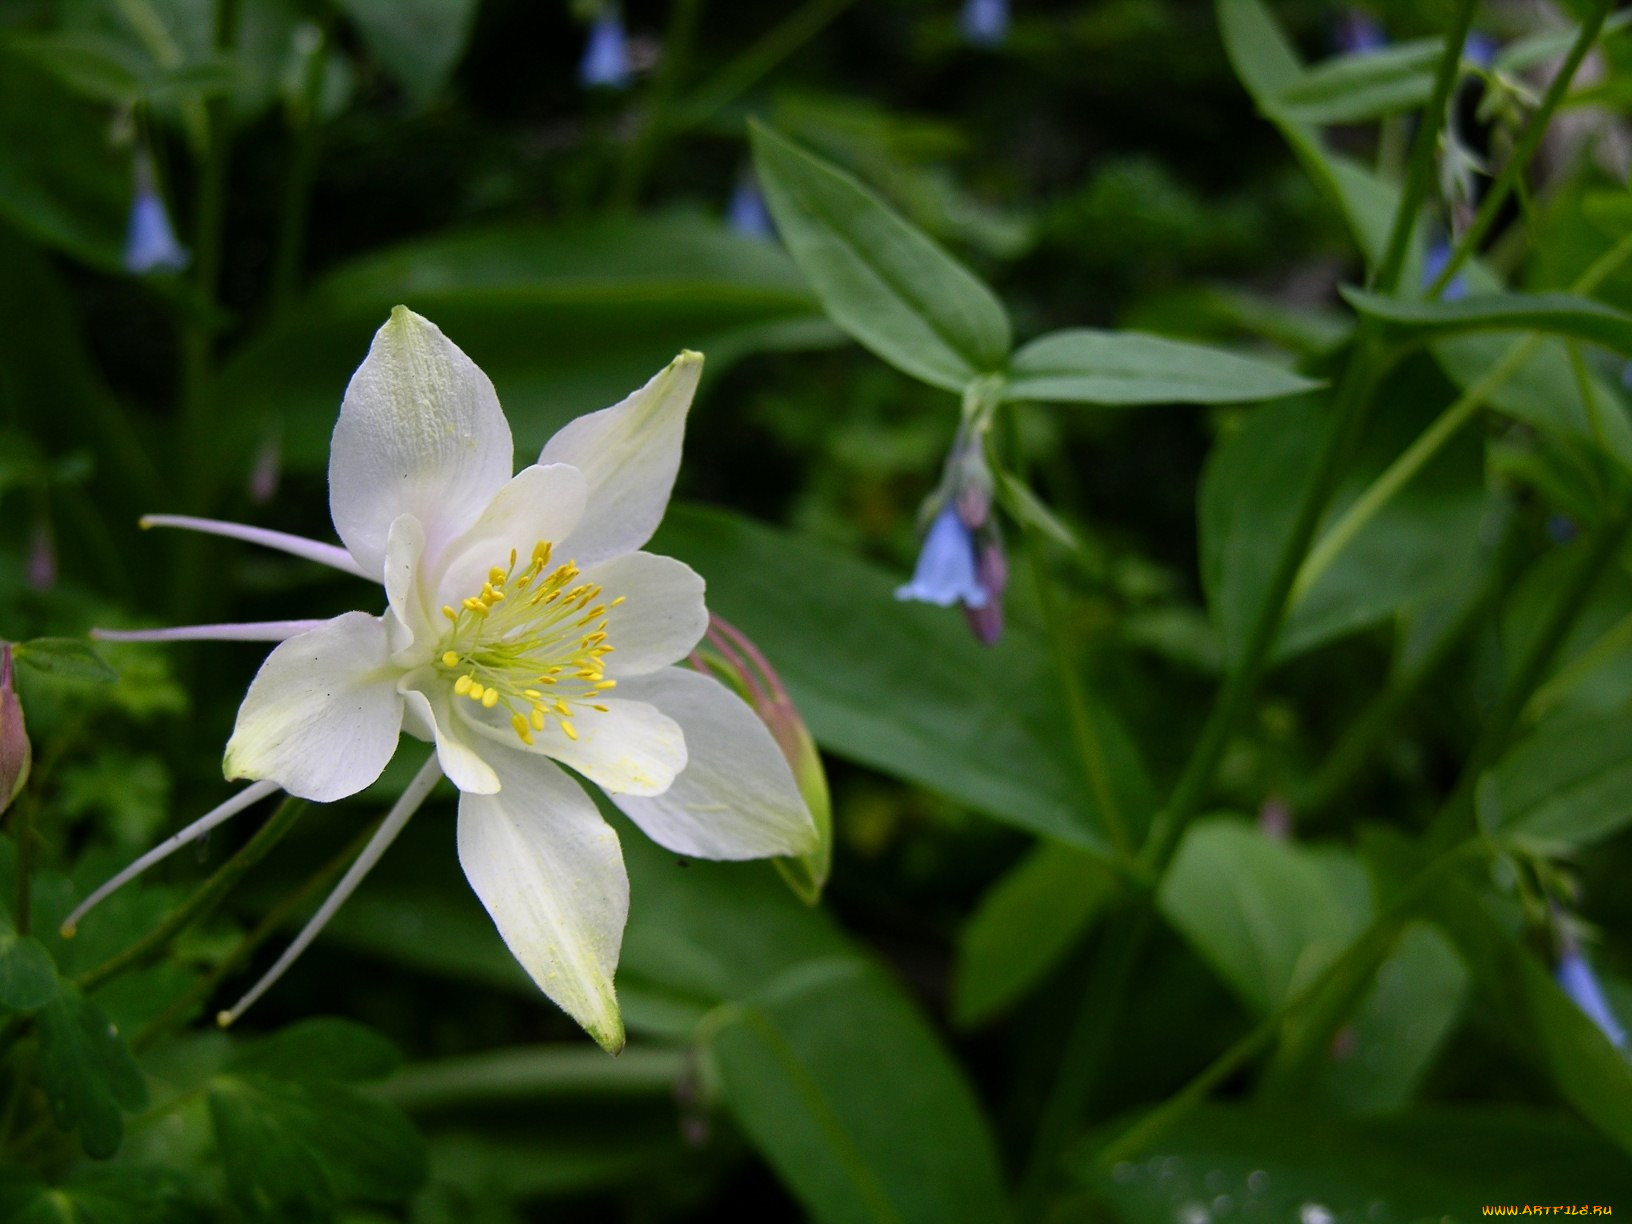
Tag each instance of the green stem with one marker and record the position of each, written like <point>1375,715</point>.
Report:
<point>23,830</point>
<point>201,902</point>
<point>1347,416</point>
<point>181,1010</point>
<point>1087,1045</point>
<point>306,137</point>
<point>1420,172</point>
<point>656,121</point>
<point>1524,148</point>
<point>1455,818</point>
<point>1086,734</point>
<point>534,1072</point>
<point>758,61</point>
<point>1433,439</point>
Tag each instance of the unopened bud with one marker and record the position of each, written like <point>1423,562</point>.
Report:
<point>992,574</point>
<point>16,754</point>
<point>730,655</point>
<point>42,557</point>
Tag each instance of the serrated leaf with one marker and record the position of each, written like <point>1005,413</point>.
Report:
<point>64,658</point>
<point>880,278</point>
<point>28,976</point>
<point>87,1071</point>
<point>1560,314</point>
<point>321,1048</point>
<point>297,1150</point>
<point>1082,365</point>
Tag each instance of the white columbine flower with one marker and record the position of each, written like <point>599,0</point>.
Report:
<point>523,627</point>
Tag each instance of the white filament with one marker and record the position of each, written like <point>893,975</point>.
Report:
<point>248,631</point>
<point>300,546</point>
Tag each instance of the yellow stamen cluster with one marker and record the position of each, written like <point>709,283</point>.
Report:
<point>533,641</point>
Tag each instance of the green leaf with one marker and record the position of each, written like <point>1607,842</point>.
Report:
<point>295,1150</point>
<point>1366,85</point>
<point>418,41</point>
<point>916,700</point>
<point>322,1048</point>
<point>1424,538</point>
<point>1566,785</point>
<point>64,658</point>
<point>59,179</point>
<point>828,1071</point>
<point>87,1070</point>
<point>92,65</point>
<point>1024,926</point>
<point>28,976</point>
<point>1431,1164</point>
<point>1268,916</point>
<point>1081,365</point>
<point>1391,1041</point>
<point>116,1194</point>
<point>1554,313</point>
<point>565,319</point>
<point>882,280</point>
<point>1542,1023</point>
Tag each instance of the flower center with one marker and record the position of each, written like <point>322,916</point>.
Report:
<point>532,641</point>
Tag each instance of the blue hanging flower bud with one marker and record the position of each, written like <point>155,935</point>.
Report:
<point>946,569</point>
<point>1359,33</point>
<point>747,213</point>
<point>1576,979</point>
<point>150,242</point>
<point>606,54</point>
<point>1439,254</point>
<point>985,22</point>
<point>1480,49</point>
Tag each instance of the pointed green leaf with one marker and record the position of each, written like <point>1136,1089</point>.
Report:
<point>321,1048</point>
<point>1366,85</point>
<point>65,658</point>
<point>1559,314</point>
<point>28,977</point>
<point>1081,365</point>
<point>1566,785</point>
<point>417,41</point>
<point>880,278</point>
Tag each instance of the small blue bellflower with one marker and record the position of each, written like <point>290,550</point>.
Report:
<point>606,54</point>
<point>150,242</point>
<point>985,22</point>
<point>946,572</point>
<point>1576,979</point>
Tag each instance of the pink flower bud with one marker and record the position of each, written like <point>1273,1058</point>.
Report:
<point>16,754</point>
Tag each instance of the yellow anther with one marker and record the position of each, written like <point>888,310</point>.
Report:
<point>490,698</point>
<point>562,708</point>
<point>462,685</point>
<point>474,690</point>
<point>473,604</point>
<point>538,718</point>
<point>532,693</point>
<point>450,658</point>
<point>606,684</point>
<point>617,601</point>
<point>448,612</point>
<point>541,553</point>
<point>590,615</point>
<point>570,730</point>
<point>496,576</point>
<point>522,729</point>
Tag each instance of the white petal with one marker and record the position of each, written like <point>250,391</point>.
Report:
<point>322,715</point>
<point>629,454</point>
<point>404,551</point>
<point>540,503</point>
<point>628,748</point>
<point>736,798</point>
<point>662,616</point>
<point>550,872</point>
<point>420,432</point>
<point>430,711</point>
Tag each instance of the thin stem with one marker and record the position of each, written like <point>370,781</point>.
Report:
<point>1524,148</point>
<point>534,1072</point>
<point>1420,172</point>
<point>182,1008</point>
<point>655,123</point>
<point>23,830</point>
<point>201,902</point>
<point>754,64</point>
<point>307,124</point>
<point>1433,439</point>
<point>1089,749</point>
<point>1348,415</point>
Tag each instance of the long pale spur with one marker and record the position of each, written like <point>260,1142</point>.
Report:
<point>523,627</point>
